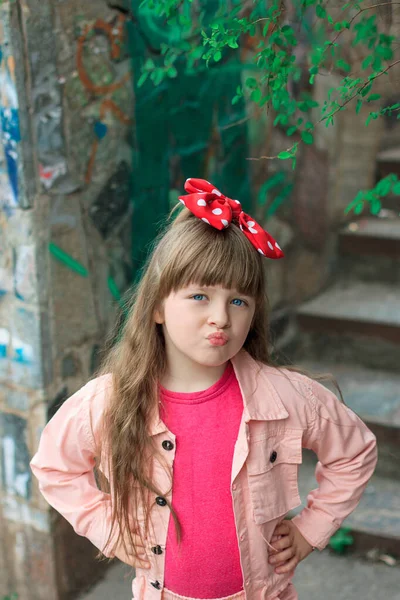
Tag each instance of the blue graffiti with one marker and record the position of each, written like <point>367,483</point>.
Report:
<point>11,136</point>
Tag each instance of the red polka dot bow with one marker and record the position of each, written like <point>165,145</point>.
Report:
<point>212,207</point>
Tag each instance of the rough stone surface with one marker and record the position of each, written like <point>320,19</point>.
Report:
<point>70,55</point>
<point>306,274</point>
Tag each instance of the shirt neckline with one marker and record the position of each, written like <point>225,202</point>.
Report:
<point>203,395</point>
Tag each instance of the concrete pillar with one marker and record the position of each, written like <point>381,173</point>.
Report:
<point>66,107</point>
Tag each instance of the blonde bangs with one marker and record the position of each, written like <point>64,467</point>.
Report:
<point>200,254</point>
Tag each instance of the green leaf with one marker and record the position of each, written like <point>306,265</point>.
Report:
<point>255,95</point>
<point>307,137</point>
<point>251,82</point>
<point>320,11</point>
<point>396,189</point>
<point>217,56</point>
<point>383,187</point>
<point>291,130</point>
<point>365,90</point>
<point>172,72</point>
<point>373,97</point>
<point>359,105</point>
<point>149,64</point>
<point>342,64</point>
<point>283,155</point>
<point>376,206</point>
<point>142,78</point>
<point>359,208</point>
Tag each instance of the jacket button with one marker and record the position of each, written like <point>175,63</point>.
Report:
<point>161,501</point>
<point>273,456</point>
<point>156,584</point>
<point>167,445</point>
<point>157,549</point>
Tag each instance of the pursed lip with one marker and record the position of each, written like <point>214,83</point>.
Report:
<point>218,336</point>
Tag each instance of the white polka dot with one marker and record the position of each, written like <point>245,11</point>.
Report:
<point>241,227</point>
<point>260,251</point>
<point>278,246</point>
<point>205,220</point>
<point>252,230</point>
<point>216,192</point>
<point>224,222</point>
<point>237,201</point>
<point>270,245</point>
<point>250,223</point>
<point>201,203</point>
<point>183,202</point>
<point>217,211</point>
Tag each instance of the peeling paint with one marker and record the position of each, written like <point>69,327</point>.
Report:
<point>9,128</point>
<point>21,512</point>
<point>16,474</point>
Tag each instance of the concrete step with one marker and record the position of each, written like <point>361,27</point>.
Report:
<point>372,237</point>
<point>375,523</point>
<point>354,307</point>
<point>388,161</point>
<point>375,397</point>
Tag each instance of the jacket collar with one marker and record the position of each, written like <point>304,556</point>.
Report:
<point>261,401</point>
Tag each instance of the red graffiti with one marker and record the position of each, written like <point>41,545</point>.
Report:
<point>114,33</point>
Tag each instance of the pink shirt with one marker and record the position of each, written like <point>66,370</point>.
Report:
<point>206,426</point>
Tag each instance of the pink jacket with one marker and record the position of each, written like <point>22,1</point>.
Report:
<point>283,413</point>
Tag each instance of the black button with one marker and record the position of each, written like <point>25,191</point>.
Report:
<point>156,584</point>
<point>167,445</point>
<point>161,501</point>
<point>157,549</point>
<point>273,456</point>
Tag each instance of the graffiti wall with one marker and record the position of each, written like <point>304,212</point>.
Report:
<point>10,136</point>
<point>65,254</point>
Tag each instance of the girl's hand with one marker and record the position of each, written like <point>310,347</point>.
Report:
<point>291,547</point>
<point>128,558</point>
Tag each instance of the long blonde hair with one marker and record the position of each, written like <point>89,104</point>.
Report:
<point>188,251</point>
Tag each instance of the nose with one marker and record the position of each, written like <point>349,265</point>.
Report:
<point>219,315</point>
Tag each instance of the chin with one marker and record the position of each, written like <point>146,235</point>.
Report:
<point>215,358</point>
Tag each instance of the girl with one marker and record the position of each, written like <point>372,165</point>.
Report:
<point>196,437</point>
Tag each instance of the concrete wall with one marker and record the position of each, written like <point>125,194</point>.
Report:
<point>66,107</point>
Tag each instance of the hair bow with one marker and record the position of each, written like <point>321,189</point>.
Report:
<point>212,207</point>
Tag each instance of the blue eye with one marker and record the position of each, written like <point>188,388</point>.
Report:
<point>242,302</point>
<point>198,296</point>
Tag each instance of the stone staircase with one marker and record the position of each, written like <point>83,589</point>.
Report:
<point>352,330</point>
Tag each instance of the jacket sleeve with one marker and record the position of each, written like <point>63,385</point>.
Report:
<point>64,465</point>
<point>347,456</point>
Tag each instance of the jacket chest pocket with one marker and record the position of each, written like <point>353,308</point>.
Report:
<point>272,471</point>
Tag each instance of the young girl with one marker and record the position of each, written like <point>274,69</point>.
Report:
<point>195,437</point>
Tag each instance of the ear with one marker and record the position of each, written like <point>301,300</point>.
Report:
<point>158,316</point>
